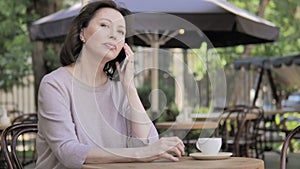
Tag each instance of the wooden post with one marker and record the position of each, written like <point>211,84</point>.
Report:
<point>257,85</point>
<point>155,78</point>
<point>39,70</point>
<point>179,78</point>
<point>273,88</point>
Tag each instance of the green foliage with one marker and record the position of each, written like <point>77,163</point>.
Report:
<point>51,58</point>
<point>285,15</point>
<point>170,113</point>
<point>289,124</point>
<point>145,90</point>
<point>67,3</point>
<point>15,46</point>
<point>170,110</point>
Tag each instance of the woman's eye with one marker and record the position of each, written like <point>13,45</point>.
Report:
<point>121,32</point>
<point>104,25</point>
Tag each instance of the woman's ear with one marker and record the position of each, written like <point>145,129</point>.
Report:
<point>81,36</point>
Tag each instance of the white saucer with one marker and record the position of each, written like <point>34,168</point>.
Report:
<point>219,156</point>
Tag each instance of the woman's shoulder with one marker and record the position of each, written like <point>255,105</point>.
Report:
<point>57,80</point>
<point>58,75</point>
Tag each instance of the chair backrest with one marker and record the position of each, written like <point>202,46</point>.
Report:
<point>286,145</point>
<point>26,118</point>
<point>238,128</point>
<point>255,134</point>
<point>9,140</point>
<point>14,113</point>
<point>231,128</point>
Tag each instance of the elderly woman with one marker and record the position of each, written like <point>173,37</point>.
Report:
<point>84,116</point>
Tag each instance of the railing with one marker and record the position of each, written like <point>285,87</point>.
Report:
<point>20,98</point>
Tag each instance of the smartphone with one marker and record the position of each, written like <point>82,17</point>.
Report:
<point>110,68</point>
<point>123,64</point>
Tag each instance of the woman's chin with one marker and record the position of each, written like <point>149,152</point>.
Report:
<point>109,56</point>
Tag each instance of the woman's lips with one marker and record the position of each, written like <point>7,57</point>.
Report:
<point>110,45</point>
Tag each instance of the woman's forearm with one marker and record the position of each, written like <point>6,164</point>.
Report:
<point>141,123</point>
<point>101,155</point>
<point>163,148</point>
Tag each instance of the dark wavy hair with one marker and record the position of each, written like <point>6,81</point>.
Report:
<point>73,45</point>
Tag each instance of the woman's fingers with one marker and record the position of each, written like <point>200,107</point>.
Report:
<point>178,143</point>
<point>175,151</point>
<point>169,157</point>
<point>181,149</point>
<point>171,148</point>
<point>118,66</point>
<point>128,50</point>
<point>173,145</point>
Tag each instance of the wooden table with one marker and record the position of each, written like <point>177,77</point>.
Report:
<point>187,163</point>
<point>186,126</point>
<point>175,128</point>
<point>217,116</point>
<point>279,111</point>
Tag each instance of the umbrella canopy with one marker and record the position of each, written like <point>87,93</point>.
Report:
<point>267,63</point>
<point>222,23</point>
<point>286,70</point>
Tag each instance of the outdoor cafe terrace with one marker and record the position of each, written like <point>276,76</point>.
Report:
<point>252,113</point>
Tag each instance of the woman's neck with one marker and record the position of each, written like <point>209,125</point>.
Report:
<point>89,70</point>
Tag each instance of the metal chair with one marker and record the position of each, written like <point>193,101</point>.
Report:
<point>283,155</point>
<point>26,118</point>
<point>231,128</point>
<point>238,133</point>
<point>10,140</point>
<point>257,145</point>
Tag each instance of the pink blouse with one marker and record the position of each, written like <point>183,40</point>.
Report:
<point>74,117</point>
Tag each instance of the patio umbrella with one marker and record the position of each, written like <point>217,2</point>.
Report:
<point>223,23</point>
<point>157,23</point>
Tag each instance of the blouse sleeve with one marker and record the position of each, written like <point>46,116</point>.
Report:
<point>57,127</point>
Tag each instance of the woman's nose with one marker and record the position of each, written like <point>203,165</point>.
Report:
<point>113,33</point>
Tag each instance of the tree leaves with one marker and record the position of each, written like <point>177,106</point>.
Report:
<point>15,46</point>
<point>285,14</point>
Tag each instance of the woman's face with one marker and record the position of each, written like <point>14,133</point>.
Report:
<point>105,35</point>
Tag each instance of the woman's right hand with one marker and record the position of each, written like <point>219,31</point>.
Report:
<point>164,148</point>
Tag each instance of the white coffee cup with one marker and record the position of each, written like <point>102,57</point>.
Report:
<point>209,146</point>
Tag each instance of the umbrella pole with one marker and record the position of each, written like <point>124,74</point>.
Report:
<point>154,81</point>
<point>155,41</point>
